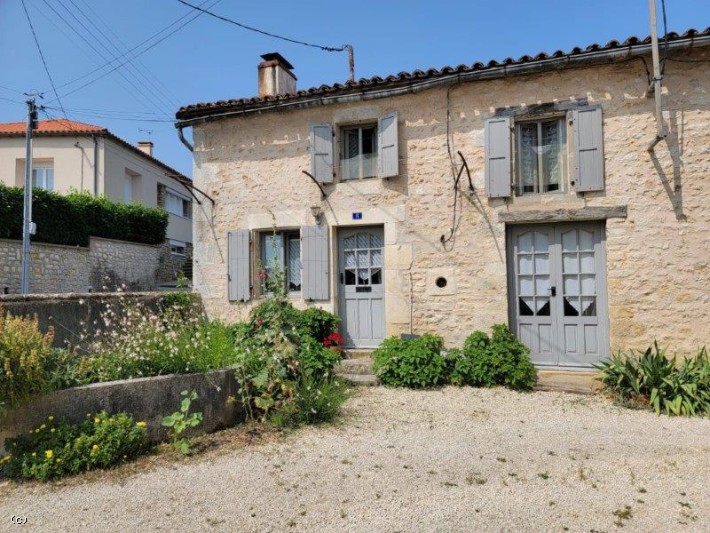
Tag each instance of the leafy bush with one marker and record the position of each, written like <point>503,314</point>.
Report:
<point>58,448</point>
<point>26,359</point>
<point>413,362</point>
<point>178,422</point>
<point>499,360</point>
<point>71,219</point>
<point>653,380</point>
<point>317,323</point>
<point>313,402</point>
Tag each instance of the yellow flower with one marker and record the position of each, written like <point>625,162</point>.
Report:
<point>141,424</point>
<point>34,454</point>
<point>48,454</point>
<point>95,447</point>
<point>50,418</point>
<point>97,420</point>
<point>59,460</point>
<point>52,430</point>
<point>43,426</point>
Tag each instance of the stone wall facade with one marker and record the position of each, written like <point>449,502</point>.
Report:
<point>658,258</point>
<point>105,265</point>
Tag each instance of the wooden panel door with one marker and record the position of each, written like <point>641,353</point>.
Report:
<point>558,293</point>
<point>362,309</point>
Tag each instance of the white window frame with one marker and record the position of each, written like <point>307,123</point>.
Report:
<point>361,174</point>
<point>286,235</point>
<point>177,196</point>
<point>47,176</point>
<point>564,155</point>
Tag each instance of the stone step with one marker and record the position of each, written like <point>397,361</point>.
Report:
<point>568,381</point>
<point>354,366</point>
<point>357,353</point>
<point>362,380</point>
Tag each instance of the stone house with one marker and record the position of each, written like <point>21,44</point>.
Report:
<point>445,201</point>
<point>70,155</point>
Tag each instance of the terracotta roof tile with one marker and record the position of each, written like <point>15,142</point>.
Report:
<point>51,127</point>
<point>245,104</point>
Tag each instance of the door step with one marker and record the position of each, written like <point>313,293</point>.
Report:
<point>566,381</point>
<point>357,371</point>
<point>358,353</point>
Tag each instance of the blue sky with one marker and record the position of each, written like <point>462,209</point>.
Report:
<point>209,60</point>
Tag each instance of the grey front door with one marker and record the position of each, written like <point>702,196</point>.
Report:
<point>362,306</point>
<point>558,293</point>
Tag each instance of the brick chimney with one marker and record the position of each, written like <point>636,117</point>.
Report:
<point>275,76</point>
<point>146,147</point>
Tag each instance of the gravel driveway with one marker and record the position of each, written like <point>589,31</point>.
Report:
<point>448,460</point>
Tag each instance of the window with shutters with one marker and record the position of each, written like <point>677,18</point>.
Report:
<point>541,156</point>
<point>281,250</point>
<point>358,155</point>
<point>178,205</point>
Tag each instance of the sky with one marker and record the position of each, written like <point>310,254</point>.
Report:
<point>208,60</point>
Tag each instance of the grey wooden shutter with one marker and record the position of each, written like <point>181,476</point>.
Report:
<point>314,257</point>
<point>238,263</point>
<point>322,152</point>
<point>498,162</point>
<point>388,149</point>
<point>589,150</point>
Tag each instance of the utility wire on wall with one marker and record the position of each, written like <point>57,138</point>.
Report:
<point>345,47</point>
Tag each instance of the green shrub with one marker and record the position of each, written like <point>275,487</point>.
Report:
<point>71,219</point>
<point>58,448</point>
<point>412,363</point>
<point>180,421</point>
<point>26,359</point>
<point>314,401</point>
<point>499,360</point>
<point>317,323</point>
<point>653,380</point>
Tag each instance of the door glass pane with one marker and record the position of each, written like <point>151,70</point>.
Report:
<point>569,241</point>
<point>587,261</point>
<point>362,240</point>
<point>525,263</point>
<point>542,285</point>
<point>349,259</point>
<point>571,306</point>
<point>569,263</point>
<point>375,241</point>
<point>542,264</point>
<point>363,260</point>
<point>363,276</point>
<point>350,277</point>
<point>376,278</point>
<point>376,257</point>
<point>542,242</point>
<point>525,243</point>
<point>586,241</point>
<point>571,284</point>
<point>349,242</point>
<point>589,306</point>
<point>526,286</point>
<point>543,306</point>
<point>588,285</point>
<point>526,305</point>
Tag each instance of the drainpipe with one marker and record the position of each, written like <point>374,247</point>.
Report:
<point>96,165</point>
<point>183,140</point>
<point>657,77</point>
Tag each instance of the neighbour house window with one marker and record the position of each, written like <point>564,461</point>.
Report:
<point>359,152</point>
<point>177,247</point>
<point>178,205</point>
<point>541,156</point>
<point>43,177</point>
<point>281,250</point>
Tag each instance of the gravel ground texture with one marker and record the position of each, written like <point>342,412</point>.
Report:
<point>398,460</point>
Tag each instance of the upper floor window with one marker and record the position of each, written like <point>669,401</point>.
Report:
<point>359,152</point>
<point>282,251</point>
<point>43,177</point>
<point>541,156</point>
<point>178,205</point>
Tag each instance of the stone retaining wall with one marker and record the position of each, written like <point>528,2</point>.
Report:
<point>146,399</point>
<point>105,264</point>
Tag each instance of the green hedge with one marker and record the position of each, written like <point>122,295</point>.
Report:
<point>73,218</point>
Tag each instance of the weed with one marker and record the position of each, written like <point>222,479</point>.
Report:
<point>544,475</point>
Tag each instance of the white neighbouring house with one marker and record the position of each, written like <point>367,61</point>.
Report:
<point>70,155</point>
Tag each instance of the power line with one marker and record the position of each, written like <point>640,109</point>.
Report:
<point>44,62</point>
<point>257,30</point>
<point>115,117</point>
<point>136,55</point>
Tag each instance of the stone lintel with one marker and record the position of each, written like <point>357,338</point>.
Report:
<point>562,215</point>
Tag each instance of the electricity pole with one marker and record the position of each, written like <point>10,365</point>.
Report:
<point>27,225</point>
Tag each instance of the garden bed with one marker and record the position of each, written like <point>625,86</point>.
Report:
<point>146,399</point>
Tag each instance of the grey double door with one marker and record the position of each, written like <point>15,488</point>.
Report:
<point>558,293</point>
<point>362,293</point>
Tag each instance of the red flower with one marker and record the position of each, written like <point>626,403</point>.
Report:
<point>263,275</point>
<point>334,339</point>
